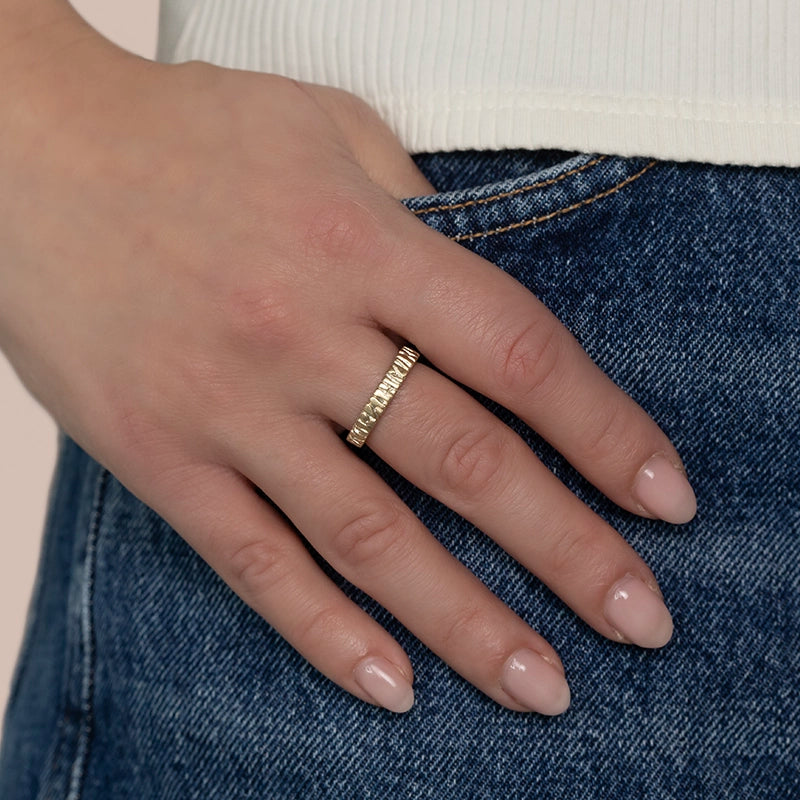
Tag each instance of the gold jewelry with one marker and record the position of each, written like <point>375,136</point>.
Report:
<point>386,390</point>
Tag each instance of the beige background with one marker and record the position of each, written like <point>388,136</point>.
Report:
<point>27,435</point>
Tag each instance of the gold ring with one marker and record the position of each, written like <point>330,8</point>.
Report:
<point>386,390</point>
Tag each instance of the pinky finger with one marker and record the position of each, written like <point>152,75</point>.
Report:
<point>262,559</point>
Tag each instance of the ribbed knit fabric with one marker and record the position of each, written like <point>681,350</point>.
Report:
<point>705,80</point>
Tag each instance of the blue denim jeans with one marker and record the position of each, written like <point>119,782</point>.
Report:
<point>143,676</point>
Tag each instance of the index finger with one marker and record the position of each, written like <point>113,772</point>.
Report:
<point>486,330</point>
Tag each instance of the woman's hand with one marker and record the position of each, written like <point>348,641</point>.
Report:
<point>204,275</point>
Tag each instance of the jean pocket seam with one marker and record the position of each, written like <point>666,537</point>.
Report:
<point>468,237</point>
<point>511,192</point>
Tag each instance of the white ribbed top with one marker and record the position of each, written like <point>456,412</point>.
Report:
<point>705,80</point>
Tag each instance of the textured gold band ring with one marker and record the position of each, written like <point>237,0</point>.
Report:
<point>381,397</point>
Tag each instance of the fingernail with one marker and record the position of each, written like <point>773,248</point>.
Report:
<point>638,613</point>
<point>662,489</point>
<point>535,684</point>
<point>385,684</point>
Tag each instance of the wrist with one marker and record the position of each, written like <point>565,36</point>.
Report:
<point>51,62</point>
<point>30,29</point>
<point>38,39</point>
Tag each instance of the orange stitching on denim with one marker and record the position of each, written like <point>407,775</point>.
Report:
<point>464,237</point>
<point>512,192</point>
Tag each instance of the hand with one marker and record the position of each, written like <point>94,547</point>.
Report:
<point>205,274</point>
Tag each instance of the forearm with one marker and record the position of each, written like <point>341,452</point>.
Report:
<point>45,49</point>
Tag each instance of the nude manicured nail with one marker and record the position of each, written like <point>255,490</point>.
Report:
<point>535,684</point>
<point>662,489</point>
<point>637,612</point>
<point>385,684</point>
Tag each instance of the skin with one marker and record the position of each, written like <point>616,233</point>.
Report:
<point>201,266</point>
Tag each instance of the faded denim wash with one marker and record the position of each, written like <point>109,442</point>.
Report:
<point>143,676</point>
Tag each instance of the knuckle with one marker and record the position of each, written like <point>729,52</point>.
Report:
<point>472,462</point>
<point>468,624</point>
<point>606,432</point>
<point>320,625</point>
<point>573,552</point>
<point>340,230</point>
<point>528,360</point>
<point>258,568</point>
<point>264,316</point>
<point>374,535</point>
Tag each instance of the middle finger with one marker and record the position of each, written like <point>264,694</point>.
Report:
<point>363,530</point>
<point>450,446</point>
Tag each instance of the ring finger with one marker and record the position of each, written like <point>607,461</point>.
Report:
<point>450,446</point>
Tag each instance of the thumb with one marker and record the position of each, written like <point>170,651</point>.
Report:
<point>372,142</point>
